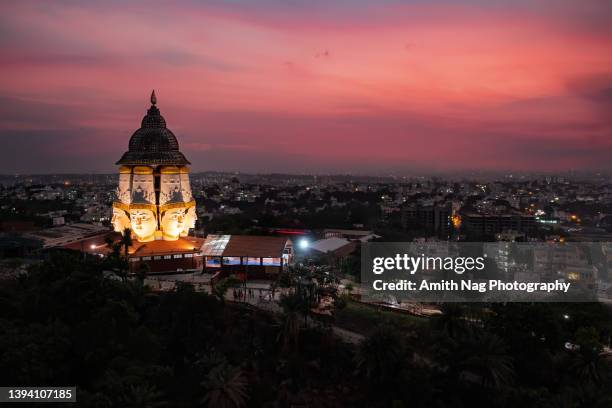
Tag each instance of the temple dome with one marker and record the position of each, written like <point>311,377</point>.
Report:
<point>153,144</point>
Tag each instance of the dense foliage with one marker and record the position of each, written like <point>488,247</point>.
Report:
<point>65,323</point>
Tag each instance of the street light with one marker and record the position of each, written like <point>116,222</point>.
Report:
<point>303,244</point>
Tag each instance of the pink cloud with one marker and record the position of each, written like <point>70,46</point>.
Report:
<point>484,86</point>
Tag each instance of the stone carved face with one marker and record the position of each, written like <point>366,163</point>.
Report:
<point>120,220</point>
<point>144,224</point>
<point>172,223</point>
<point>190,220</point>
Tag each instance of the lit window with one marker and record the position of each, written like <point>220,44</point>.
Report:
<point>271,261</point>
<point>253,261</point>
<point>231,260</point>
<point>213,262</point>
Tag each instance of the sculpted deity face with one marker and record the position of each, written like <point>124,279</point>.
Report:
<point>172,223</point>
<point>120,220</point>
<point>144,224</point>
<point>190,220</point>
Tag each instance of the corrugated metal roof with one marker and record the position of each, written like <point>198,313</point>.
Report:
<point>329,244</point>
<point>244,245</point>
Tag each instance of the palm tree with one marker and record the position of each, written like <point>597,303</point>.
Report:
<point>126,241</point>
<point>588,366</point>
<point>115,248</point>
<point>142,271</point>
<point>210,359</point>
<point>142,396</point>
<point>452,320</point>
<point>226,387</point>
<point>381,355</point>
<point>221,287</point>
<point>109,242</point>
<point>481,357</point>
<point>293,305</point>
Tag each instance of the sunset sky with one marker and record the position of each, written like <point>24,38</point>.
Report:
<point>360,86</point>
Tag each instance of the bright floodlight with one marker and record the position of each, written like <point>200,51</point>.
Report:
<point>93,246</point>
<point>303,243</point>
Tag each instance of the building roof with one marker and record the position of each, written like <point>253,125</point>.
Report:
<point>329,244</point>
<point>346,232</point>
<point>244,245</point>
<point>181,245</point>
<point>66,234</point>
<point>369,237</point>
<point>153,143</point>
<point>95,244</point>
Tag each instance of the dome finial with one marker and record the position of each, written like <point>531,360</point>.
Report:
<point>153,98</point>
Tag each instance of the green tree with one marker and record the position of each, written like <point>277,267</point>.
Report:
<point>142,396</point>
<point>226,387</point>
<point>587,363</point>
<point>142,271</point>
<point>126,242</point>
<point>381,355</point>
<point>220,288</point>
<point>452,321</point>
<point>293,305</point>
<point>481,357</point>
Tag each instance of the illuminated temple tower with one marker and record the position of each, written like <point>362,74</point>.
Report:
<point>154,196</point>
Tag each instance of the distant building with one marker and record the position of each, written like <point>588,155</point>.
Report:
<point>434,218</point>
<point>349,234</point>
<point>570,263</point>
<point>289,231</point>
<point>605,222</point>
<point>489,224</point>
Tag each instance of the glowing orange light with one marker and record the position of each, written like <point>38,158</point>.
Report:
<point>456,221</point>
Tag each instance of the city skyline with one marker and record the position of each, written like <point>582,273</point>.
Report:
<point>356,87</point>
